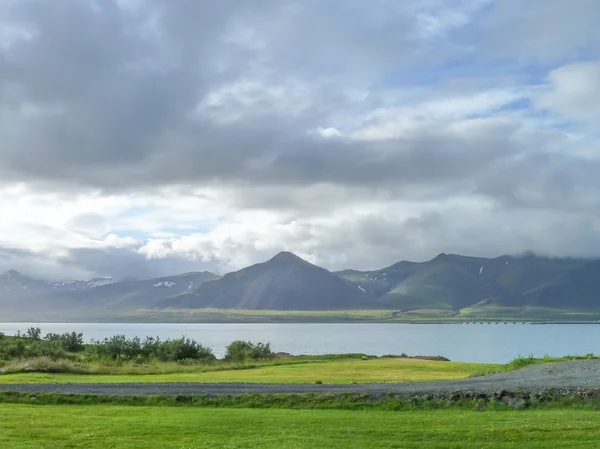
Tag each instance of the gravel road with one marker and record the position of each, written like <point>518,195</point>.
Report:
<point>576,374</point>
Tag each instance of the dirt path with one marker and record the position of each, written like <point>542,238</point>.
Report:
<point>577,374</point>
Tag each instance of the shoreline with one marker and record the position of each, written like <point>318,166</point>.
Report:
<point>291,321</point>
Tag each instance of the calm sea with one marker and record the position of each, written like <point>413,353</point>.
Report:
<point>492,343</point>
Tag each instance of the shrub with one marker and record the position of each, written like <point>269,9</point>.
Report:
<point>12,349</point>
<point>1,335</point>
<point>117,347</point>
<point>240,350</point>
<point>151,347</point>
<point>184,348</point>
<point>53,350</point>
<point>52,337</point>
<point>34,332</point>
<point>120,348</point>
<point>72,342</point>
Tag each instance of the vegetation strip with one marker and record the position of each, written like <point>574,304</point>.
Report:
<point>477,401</point>
<point>31,358</point>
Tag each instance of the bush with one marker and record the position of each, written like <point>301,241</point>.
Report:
<point>120,348</point>
<point>2,335</point>
<point>117,347</point>
<point>19,348</point>
<point>52,337</point>
<point>239,351</point>
<point>34,332</point>
<point>53,350</point>
<point>184,348</point>
<point>72,342</point>
<point>12,349</point>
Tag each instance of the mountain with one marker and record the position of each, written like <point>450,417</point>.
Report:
<point>518,286</point>
<point>576,288</point>
<point>14,284</point>
<point>115,297</point>
<point>286,282</point>
<point>453,282</point>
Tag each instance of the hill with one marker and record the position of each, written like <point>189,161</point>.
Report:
<point>453,282</point>
<point>286,282</point>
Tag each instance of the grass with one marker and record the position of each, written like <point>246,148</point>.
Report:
<point>442,315</point>
<point>479,313</point>
<point>330,369</point>
<point>50,365</point>
<point>527,313</point>
<point>260,316</point>
<point>28,426</point>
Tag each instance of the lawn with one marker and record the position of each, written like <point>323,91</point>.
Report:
<point>333,371</point>
<point>31,426</point>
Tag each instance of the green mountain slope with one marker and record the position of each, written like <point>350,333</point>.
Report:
<point>453,282</point>
<point>285,282</point>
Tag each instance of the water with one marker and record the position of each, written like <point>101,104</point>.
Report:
<point>490,343</point>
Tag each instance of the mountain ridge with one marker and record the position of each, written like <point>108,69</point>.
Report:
<point>448,282</point>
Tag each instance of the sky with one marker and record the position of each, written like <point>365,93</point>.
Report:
<point>141,138</point>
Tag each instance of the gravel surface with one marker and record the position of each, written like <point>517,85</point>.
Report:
<point>576,374</point>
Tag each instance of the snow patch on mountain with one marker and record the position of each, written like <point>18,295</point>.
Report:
<point>167,284</point>
<point>13,280</point>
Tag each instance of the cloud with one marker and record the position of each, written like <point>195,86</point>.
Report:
<point>574,92</point>
<point>146,137</point>
<point>549,31</point>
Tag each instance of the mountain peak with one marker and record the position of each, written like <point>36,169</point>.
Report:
<point>285,282</point>
<point>286,256</point>
<point>13,274</point>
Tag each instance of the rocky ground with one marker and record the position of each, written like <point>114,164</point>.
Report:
<point>573,379</point>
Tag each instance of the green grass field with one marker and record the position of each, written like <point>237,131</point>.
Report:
<point>30,426</point>
<point>331,371</point>
<point>430,315</point>
<point>483,313</point>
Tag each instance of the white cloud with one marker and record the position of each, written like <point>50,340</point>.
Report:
<point>397,122</point>
<point>573,92</point>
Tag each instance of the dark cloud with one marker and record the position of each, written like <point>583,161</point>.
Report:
<point>106,97</point>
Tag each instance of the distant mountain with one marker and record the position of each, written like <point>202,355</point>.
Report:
<point>14,284</point>
<point>286,282</point>
<point>575,287</point>
<point>113,297</point>
<point>453,282</point>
